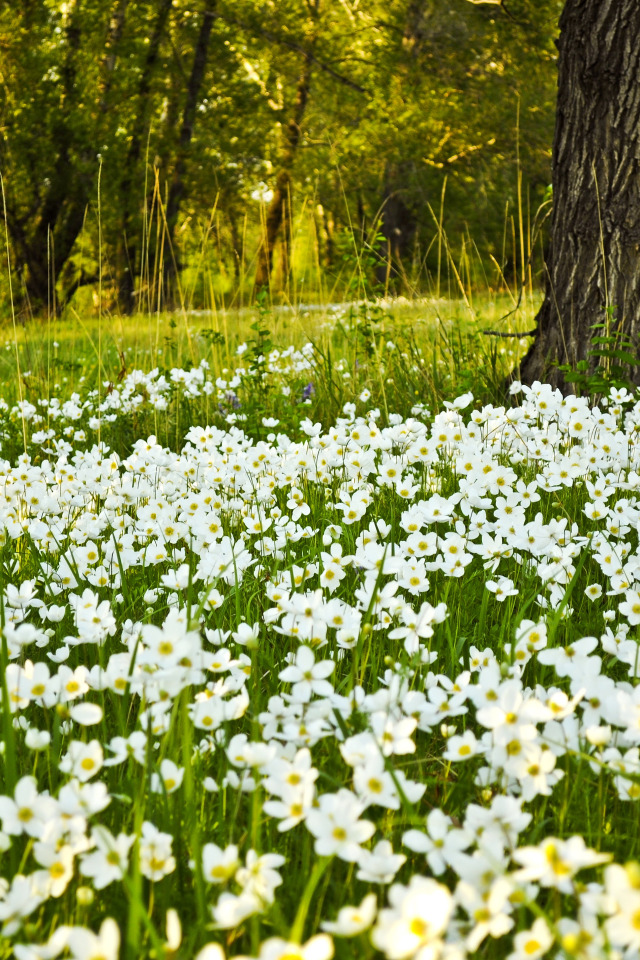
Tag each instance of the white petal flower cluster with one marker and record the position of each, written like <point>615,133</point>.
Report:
<point>386,677</point>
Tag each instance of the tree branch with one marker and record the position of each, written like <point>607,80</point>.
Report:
<point>283,42</point>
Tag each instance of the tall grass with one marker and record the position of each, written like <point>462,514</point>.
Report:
<point>438,329</point>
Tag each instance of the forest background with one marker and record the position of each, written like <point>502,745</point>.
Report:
<point>153,147</point>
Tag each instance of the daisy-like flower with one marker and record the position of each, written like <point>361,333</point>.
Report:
<point>210,951</point>
<point>554,862</point>
<point>630,607</point>
<point>415,921</point>
<point>352,921</point>
<point>379,865</point>
<point>259,877</point>
<point>441,841</point>
<point>622,884</point>
<point>319,947</point>
<point>533,943</point>
<point>156,860</point>
<point>28,812</point>
<point>573,660</point>
<point>83,760</point>
<point>104,945</point>
<point>488,910</point>
<point>336,826</point>
<point>18,901</point>
<point>109,859</point>
<point>218,864</point>
<point>307,676</point>
<point>462,747</point>
<point>393,736</point>
<point>231,910</point>
<point>502,588</point>
<point>593,591</point>
<point>58,863</point>
<point>169,778</point>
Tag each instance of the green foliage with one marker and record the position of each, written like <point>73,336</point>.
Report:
<point>610,362</point>
<point>95,143</point>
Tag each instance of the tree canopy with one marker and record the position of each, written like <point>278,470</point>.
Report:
<point>140,139</point>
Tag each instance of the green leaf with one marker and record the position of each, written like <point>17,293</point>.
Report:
<point>621,355</point>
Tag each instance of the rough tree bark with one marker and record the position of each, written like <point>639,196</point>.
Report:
<point>593,258</point>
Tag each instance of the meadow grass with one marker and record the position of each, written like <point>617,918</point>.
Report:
<point>302,655</point>
<point>444,337</point>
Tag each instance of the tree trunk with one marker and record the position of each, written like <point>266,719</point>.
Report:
<point>177,187</point>
<point>397,222</point>
<point>127,250</point>
<point>593,258</point>
<point>107,69</point>
<point>62,210</point>
<point>398,226</point>
<point>39,244</point>
<point>415,30</point>
<point>282,193</point>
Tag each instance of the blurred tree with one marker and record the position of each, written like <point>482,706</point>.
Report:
<point>127,243</point>
<point>190,114</point>
<point>57,105</point>
<point>177,185</point>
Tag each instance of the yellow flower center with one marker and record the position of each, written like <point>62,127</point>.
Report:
<point>419,927</point>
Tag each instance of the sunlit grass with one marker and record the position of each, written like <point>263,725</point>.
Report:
<point>70,352</point>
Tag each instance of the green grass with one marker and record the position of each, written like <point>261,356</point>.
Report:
<point>440,349</point>
<point>187,571</point>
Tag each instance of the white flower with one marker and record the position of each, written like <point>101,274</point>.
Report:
<point>336,826</point>
<point>319,947</point>
<point>28,812</point>
<point>219,865</point>
<point>247,636</point>
<point>623,928</point>
<point>501,588</point>
<point>533,943</point>
<point>231,910</point>
<point>593,591</point>
<point>156,860</point>
<point>210,951</point>
<point>353,920</point>
<point>417,917</point>
<point>440,842</point>
<point>307,676</point>
<point>86,714</point>
<point>82,760</point>
<point>85,945</point>
<point>379,865</point>
<point>259,877</point>
<point>37,739</point>
<point>462,747</point>
<point>554,862</point>
<point>169,779</point>
<point>110,859</point>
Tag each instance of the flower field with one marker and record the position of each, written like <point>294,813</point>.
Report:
<point>289,690</point>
